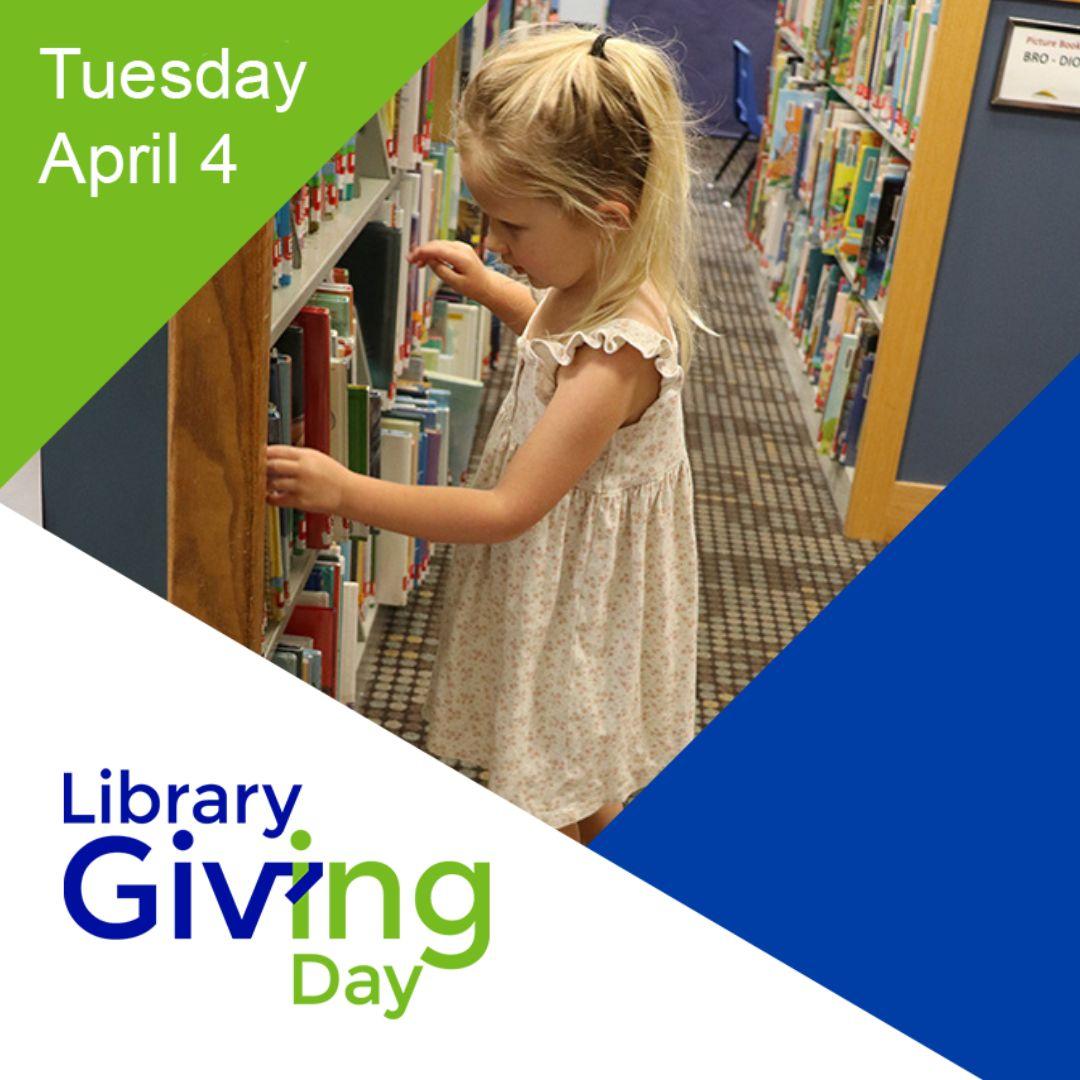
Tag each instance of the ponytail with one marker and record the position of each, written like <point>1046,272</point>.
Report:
<point>564,115</point>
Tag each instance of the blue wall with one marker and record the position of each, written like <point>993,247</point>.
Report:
<point>1005,319</point>
<point>104,474</point>
<point>704,30</point>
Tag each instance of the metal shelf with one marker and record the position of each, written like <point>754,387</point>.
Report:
<point>792,42</point>
<point>877,125</point>
<point>874,308</point>
<point>297,579</point>
<point>322,251</point>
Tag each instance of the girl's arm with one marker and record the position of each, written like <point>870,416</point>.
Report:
<point>460,267</point>
<point>593,397</point>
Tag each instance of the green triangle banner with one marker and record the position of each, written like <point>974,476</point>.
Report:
<point>105,242</point>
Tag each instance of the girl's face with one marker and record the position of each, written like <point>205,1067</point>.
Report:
<point>535,237</point>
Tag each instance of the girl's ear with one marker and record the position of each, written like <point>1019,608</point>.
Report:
<point>615,213</point>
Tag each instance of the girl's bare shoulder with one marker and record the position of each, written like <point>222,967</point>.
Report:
<point>647,307</point>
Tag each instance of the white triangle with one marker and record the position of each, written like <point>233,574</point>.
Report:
<point>589,971</point>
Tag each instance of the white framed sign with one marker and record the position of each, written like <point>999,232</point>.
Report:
<point>1040,67</point>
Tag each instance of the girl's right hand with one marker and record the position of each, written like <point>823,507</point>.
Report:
<point>455,263</point>
<point>304,478</point>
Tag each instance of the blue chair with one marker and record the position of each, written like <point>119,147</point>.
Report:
<point>746,112</point>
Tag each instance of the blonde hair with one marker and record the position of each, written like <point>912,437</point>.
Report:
<point>542,117</point>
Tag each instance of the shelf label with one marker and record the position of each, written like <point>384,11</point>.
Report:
<point>1040,67</point>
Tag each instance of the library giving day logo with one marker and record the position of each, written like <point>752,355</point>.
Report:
<point>118,886</point>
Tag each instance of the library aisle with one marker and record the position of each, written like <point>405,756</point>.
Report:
<point>772,553</point>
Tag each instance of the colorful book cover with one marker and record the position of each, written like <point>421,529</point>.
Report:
<point>902,76</point>
<point>850,139</point>
<point>881,242</point>
<point>856,79</point>
<point>838,388</point>
<point>849,439</point>
<point>921,36</point>
<point>891,169</point>
<point>844,313</point>
<point>798,285</point>
<point>815,265</point>
<point>928,60</point>
<point>892,68</point>
<point>820,324</point>
<point>877,56</point>
<point>845,40</point>
<point>886,277</point>
<point>865,175</point>
<point>837,115</point>
<point>796,247</point>
<point>784,148</point>
<point>831,18</point>
<point>808,174</point>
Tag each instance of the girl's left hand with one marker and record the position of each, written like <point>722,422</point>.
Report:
<point>305,479</point>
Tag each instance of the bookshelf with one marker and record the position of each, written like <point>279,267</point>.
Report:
<point>220,340</point>
<point>945,378</point>
<point>219,347</point>
<point>882,502</point>
<point>802,26</point>
<point>216,543</point>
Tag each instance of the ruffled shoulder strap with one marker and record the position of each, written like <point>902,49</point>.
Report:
<point>612,336</point>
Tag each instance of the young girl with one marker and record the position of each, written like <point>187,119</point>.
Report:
<point>567,648</point>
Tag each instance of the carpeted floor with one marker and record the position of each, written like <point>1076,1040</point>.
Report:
<point>771,550</point>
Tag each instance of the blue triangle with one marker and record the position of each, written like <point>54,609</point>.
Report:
<point>891,806</point>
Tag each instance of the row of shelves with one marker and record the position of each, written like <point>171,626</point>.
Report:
<point>896,50</point>
<point>839,478</point>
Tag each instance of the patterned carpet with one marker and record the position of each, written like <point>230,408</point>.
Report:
<point>771,550</point>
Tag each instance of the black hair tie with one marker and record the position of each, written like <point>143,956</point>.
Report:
<point>598,45</point>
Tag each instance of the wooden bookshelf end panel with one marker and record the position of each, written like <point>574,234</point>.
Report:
<point>219,344</point>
